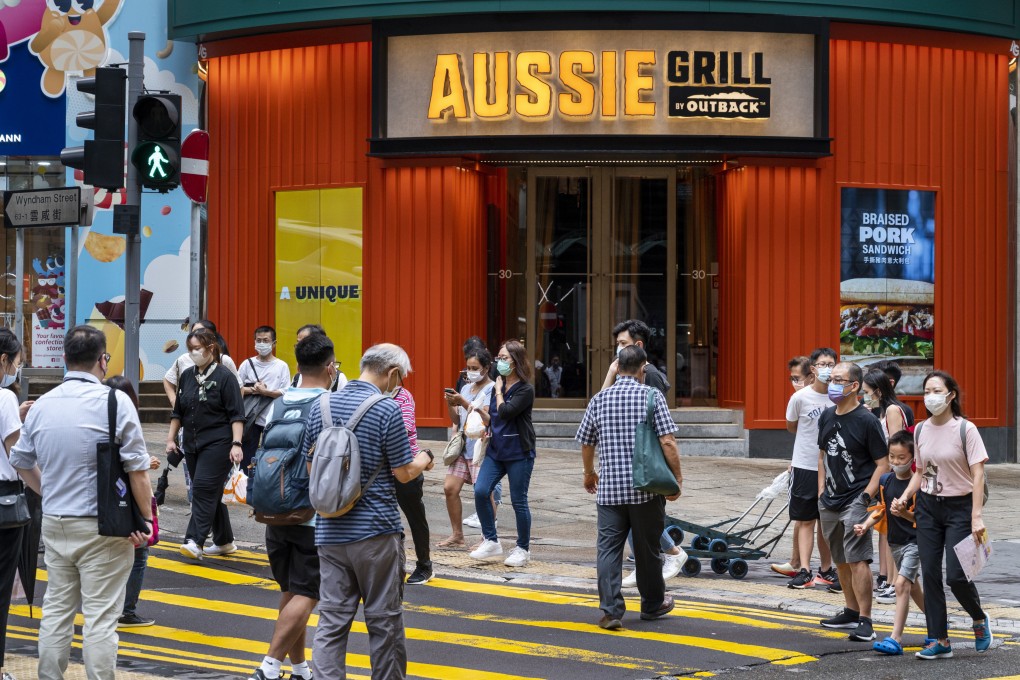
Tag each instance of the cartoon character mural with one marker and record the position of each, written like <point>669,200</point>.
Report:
<point>47,296</point>
<point>72,38</point>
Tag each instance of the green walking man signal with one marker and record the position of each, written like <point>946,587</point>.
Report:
<point>157,155</point>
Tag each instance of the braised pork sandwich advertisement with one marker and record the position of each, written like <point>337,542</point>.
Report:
<point>887,280</point>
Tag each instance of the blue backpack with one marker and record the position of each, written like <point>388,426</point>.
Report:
<point>278,476</point>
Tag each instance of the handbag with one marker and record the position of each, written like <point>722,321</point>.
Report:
<point>454,448</point>
<point>14,511</point>
<point>254,405</point>
<point>118,514</point>
<point>650,470</point>
<point>481,447</point>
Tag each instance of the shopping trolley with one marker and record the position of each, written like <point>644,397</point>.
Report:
<point>730,544</point>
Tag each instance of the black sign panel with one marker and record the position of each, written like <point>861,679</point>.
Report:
<point>719,102</point>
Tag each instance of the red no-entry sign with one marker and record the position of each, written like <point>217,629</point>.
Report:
<point>195,165</point>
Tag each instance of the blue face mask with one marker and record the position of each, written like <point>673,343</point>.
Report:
<point>503,367</point>
<point>836,393</point>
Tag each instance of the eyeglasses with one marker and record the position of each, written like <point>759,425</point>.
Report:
<point>840,381</point>
<point>106,356</point>
<point>796,381</point>
<point>826,365</point>
<point>503,357</point>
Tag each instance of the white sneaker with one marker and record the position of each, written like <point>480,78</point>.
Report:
<point>473,521</point>
<point>631,580</point>
<point>190,549</point>
<point>220,549</point>
<point>671,564</point>
<point>487,550</point>
<point>519,557</point>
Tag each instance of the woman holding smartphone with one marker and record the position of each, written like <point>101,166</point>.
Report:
<point>475,394</point>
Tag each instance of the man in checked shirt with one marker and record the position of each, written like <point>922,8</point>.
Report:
<point>610,422</point>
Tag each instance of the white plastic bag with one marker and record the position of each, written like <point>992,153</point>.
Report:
<point>235,491</point>
<point>474,428</point>
<point>780,486</point>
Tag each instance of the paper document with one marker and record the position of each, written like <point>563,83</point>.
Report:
<point>973,556</point>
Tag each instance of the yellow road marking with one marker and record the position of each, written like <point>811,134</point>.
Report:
<point>246,556</point>
<point>210,574</point>
<point>182,658</point>
<point>430,671</point>
<point>777,656</point>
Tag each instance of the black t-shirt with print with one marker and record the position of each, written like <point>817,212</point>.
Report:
<point>656,378</point>
<point>851,443</point>
<point>900,531</point>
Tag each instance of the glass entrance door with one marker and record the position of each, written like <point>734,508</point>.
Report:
<point>601,245</point>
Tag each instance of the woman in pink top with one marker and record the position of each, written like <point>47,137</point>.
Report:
<point>950,477</point>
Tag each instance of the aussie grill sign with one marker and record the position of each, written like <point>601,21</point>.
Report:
<point>601,83</point>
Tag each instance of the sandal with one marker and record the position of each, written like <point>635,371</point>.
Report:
<point>888,646</point>
<point>451,542</point>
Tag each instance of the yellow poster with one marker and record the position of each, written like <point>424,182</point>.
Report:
<point>318,270</point>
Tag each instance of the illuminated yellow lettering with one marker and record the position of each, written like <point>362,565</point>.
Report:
<point>609,95</point>
<point>492,84</point>
<point>634,84</point>
<point>538,102</point>
<point>448,89</point>
<point>581,100</point>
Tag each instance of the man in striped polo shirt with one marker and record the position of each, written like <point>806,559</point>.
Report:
<point>361,554</point>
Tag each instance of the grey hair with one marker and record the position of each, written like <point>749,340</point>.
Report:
<point>381,358</point>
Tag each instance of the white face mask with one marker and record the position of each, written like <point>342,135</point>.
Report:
<point>872,401</point>
<point>199,356</point>
<point>472,376</point>
<point>936,403</point>
<point>824,373</point>
<point>263,348</point>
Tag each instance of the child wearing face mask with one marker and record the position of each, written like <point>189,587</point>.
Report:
<point>900,529</point>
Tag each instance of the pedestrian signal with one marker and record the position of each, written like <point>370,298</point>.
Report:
<point>157,155</point>
<point>101,160</point>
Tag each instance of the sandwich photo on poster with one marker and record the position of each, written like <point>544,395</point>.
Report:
<point>887,280</point>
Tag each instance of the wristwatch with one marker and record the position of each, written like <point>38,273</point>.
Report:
<point>866,498</point>
<point>429,452</point>
<point>236,443</point>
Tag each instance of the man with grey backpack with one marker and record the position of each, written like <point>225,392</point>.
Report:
<point>358,531</point>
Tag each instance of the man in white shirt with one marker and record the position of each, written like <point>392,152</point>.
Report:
<point>56,456</point>
<point>266,376</point>
<point>802,413</point>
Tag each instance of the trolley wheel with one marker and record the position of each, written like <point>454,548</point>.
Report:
<point>738,568</point>
<point>692,567</point>
<point>699,543</point>
<point>720,565</point>
<point>676,533</point>
<point>718,546</point>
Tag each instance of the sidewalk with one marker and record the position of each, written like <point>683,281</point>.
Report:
<point>715,489</point>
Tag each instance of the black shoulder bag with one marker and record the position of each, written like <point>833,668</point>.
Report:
<point>117,511</point>
<point>254,405</point>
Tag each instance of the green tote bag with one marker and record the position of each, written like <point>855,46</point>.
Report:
<point>651,471</point>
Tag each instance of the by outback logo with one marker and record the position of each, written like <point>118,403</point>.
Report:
<point>718,85</point>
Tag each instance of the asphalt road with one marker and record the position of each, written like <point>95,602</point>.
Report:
<point>214,621</point>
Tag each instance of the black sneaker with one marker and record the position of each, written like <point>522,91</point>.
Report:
<point>259,675</point>
<point>802,580</point>
<point>133,621</point>
<point>835,587</point>
<point>880,584</point>
<point>845,619</point>
<point>864,631</point>
<point>419,576</point>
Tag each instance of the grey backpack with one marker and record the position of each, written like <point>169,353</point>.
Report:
<point>334,483</point>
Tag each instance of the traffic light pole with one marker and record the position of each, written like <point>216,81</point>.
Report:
<point>132,274</point>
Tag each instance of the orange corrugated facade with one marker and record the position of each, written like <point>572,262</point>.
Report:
<point>901,116</point>
<point>931,115</point>
<point>298,118</point>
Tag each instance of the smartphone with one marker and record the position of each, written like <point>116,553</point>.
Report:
<point>449,390</point>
